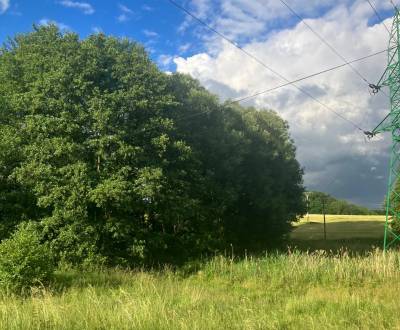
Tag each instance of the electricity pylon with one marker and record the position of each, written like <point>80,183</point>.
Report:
<point>391,123</point>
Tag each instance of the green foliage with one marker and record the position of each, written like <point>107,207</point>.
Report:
<point>24,261</point>
<point>335,206</point>
<point>252,179</point>
<point>118,161</point>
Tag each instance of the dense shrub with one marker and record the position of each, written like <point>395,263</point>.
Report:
<point>119,161</point>
<point>24,261</point>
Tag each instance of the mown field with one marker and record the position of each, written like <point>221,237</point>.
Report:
<point>295,290</point>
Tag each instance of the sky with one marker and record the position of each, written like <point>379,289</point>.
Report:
<point>336,157</point>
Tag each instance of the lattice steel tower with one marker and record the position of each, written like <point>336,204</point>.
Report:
<point>391,123</point>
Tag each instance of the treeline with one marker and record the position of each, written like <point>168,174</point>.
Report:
<point>317,201</point>
<point>112,160</point>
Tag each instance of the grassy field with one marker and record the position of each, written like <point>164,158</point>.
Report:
<point>357,233</point>
<point>295,290</point>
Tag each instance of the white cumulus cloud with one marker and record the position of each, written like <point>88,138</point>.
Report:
<point>185,47</point>
<point>4,5</point>
<point>85,7</point>
<point>126,13</point>
<point>334,154</point>
<point>150,34</point>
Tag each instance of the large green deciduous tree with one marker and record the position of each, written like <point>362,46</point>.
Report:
<point>117,160</point>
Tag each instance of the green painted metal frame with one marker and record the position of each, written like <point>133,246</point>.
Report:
<point>392,124</point>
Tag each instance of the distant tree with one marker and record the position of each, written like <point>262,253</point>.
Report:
<point>335,206</point>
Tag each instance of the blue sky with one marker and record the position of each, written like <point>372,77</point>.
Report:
<point>161,27</point>
<point>336,158</point>
<point>157,24</point>
<point>153,23</point>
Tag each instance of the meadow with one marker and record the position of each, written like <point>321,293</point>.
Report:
<point>355,233</point>
<point>292,290</point>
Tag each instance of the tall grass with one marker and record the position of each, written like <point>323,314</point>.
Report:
<point>278,291</point>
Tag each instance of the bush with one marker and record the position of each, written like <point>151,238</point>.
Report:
<point>93,147</point>
<point>24,261</point>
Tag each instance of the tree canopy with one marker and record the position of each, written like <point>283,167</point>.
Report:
<point>115,160</point>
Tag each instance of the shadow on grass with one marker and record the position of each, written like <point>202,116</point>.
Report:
<point>355,246</point>
<point>100,279</point>
<point>354,237</point>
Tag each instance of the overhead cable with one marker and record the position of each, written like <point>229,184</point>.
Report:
<point>177,5</point>
<point>378,16</point>
<point>307,77</point>
<point>322,39</point>
<point>394,5</point>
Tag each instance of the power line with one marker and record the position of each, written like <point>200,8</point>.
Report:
<point>200,113</point>
<point>378,85</point>
<point>373,87</point>
<point>377,15</point>
<point>287,84</point>
<point>307,77</point>
<point>174,3</point>
<point>233,43</point>
<point>322,39</point>
<point>393,4</point>
<point>381,122</point>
